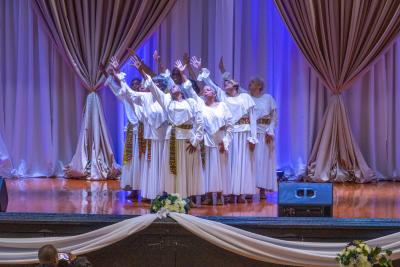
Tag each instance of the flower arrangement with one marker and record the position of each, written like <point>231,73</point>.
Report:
<point>359,254</point>
<point>169,203</point>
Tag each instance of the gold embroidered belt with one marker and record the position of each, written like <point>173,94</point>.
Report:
<point>172,145</point>
<point>243,120</point>
<point>185,126</point>
<point>143,143</point>
<point>264,121</point>
<point>128,151</point>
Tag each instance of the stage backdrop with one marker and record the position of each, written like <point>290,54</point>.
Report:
<point>41,100</point>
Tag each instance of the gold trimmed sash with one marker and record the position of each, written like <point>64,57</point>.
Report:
<point>128,151</point>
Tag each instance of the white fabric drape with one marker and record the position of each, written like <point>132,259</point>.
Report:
<point>238,241</point>
<point>267,249</point>
<point>41,99</point>
<point>24,250</point>
<point>92,164</point>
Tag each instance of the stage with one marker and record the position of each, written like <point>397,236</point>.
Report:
<point>44,207</point>
<point>57,195</point>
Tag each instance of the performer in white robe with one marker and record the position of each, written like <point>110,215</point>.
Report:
<point>131,169</point>
<point>242,158</point>
<point>155,139</point>
<point>266,115</point>
<point>218,129</point>
<point>186,133</point>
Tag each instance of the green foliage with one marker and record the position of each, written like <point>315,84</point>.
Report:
<point>359,254</point>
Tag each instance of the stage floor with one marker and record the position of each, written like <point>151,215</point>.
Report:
<point>57,195</point>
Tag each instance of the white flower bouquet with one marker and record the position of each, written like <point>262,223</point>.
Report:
<point>359,254</point>
<point>170,202</point>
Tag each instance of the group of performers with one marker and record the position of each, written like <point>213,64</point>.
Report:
<point>192,137</point>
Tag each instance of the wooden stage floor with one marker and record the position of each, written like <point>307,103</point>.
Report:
<point>57,195</point>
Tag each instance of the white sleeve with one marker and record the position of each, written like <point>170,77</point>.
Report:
<point>198,124</point>
<point>114,87</point>
<point>167,75</point>
<point>253,127</point>
<point>127,94</point>
<point>274,119</point>
<point>228,129</point>
<point>159,95</point>
<point>204,76</point>
<point>188,88</point>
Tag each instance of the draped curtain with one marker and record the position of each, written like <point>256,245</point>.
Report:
<point>41,98</point>
<point>5,161</point>
<point>340,39</point>
<point>87,34</point>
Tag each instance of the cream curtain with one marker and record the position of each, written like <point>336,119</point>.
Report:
<point>5,161</point>
<point>89,33</point>
<point>340,39</point>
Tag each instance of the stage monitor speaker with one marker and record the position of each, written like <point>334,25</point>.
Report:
<point>3,195</point>
<point>305,200</point>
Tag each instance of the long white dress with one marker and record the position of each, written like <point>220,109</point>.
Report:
<point>154,174</point>
<point>242,159</point>
<point>131,169</point>
<point>218,128</point>
<point>187,124</point>
<point>265,112</point>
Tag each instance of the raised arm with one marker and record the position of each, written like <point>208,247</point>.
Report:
<point>144,68</point>
<point>227,75</point>
<point>159,95</point>
<point>187,84</point>
<point>192,74</point>
<point>115,79</point>
<point>157,58</point>
<point>204,76</point>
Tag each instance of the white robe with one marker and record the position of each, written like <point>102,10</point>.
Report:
<point>242,159</point>
<point>265,153</point>
<point>153,175</point>
<point>189,180</point>
<point>218,129</point>
<point>131,170</point>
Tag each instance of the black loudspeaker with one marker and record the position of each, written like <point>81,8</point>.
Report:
<point>305,200</point>
<point>3,195</point>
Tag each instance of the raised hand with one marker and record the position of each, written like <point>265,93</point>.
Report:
<point>135,61</point>
<point>191,149</point>
<point>114,63</point>
<point>156,56</point>
<point>180,66</point>
<point>221,65</point>
<point>195,62</point>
